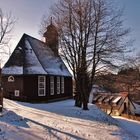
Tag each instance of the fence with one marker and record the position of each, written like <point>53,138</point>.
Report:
<point>1,99</point>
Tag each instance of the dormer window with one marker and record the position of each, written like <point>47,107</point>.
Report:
<point>11,79</point>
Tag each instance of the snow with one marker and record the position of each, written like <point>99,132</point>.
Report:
<point>95,89</point>
<point>52,64</point>
<point>61,120</point>
<point>130,125</point>
<point>13,70</point>
<point>33,65</point>
<point>116,100</point>
<point>137,106</point>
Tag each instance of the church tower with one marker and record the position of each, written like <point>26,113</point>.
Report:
<point>51,38</point>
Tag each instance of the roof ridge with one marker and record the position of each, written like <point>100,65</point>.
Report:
<point>34,38</point>
<point>37,56</point>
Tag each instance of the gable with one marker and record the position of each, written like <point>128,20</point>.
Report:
<point>15,63</point>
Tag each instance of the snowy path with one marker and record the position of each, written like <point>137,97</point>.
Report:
<point>59,120</point>
<point>41,113</point>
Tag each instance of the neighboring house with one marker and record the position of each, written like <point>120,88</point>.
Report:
<point>35,72</point>
<point>114,104</point>
<point>126,80</point>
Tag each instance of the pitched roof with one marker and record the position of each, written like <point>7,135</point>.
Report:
<point>106,100</point>
<point>32,56</point>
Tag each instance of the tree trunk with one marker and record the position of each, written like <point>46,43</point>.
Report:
<point>78,102</point>
<point>84,89</point>
<point>85,105</point>
<point>85,102</point>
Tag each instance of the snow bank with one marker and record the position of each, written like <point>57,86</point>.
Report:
<point>59,120</point>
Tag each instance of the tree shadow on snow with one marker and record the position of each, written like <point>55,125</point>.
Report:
<point>132,127</point>
<point>53,132</point>
<point>12,118</point>
<point>124,135</point>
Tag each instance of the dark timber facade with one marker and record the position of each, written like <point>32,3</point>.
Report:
<point>26,88</point>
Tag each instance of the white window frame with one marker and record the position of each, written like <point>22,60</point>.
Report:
<point>11,79</point>
<point>62,85</point>
<point>52,85</point>
<point>17,93</point>
<point>58,85</point>
<point>44,85</point>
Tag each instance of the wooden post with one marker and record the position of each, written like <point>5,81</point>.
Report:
<point>1,99</point>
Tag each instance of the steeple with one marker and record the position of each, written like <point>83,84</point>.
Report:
<point>51,37</point>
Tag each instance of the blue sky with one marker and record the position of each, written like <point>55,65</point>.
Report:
<point>132,19</point>
<point>29,14</point>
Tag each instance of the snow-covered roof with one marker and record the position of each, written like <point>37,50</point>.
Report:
<point>137,108</point>
<point>32,56</point>
<point>13,70</point>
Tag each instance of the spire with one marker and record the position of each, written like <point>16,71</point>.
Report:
<point>51,21</point>
<point>51,37</point>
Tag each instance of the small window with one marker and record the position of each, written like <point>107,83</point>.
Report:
<point>11,79</point>
<point>52,85</point>
<point>41,86</point>
<point>58,85</point>
<point>16,93</point>
<point>62,85</point>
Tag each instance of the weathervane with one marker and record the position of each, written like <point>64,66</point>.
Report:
<point>51,20</point>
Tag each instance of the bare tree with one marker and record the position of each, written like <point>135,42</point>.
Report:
<point>92,37</point>
<point>7,22</point>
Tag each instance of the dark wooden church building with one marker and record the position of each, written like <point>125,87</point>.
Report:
<point>35,72</point>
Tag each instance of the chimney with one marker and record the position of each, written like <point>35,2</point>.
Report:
<point>51,38</point>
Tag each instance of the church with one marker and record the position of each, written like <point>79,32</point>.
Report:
<point>35,72</point>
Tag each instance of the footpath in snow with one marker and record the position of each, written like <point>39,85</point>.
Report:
<point>62,121</point>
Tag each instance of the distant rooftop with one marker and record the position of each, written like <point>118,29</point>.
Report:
<point>107,99</point>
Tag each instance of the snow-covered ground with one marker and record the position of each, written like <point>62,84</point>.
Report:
<point>130,125</point>
<point>62,121</point>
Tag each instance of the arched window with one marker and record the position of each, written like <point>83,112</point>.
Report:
<point>11,79</point>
